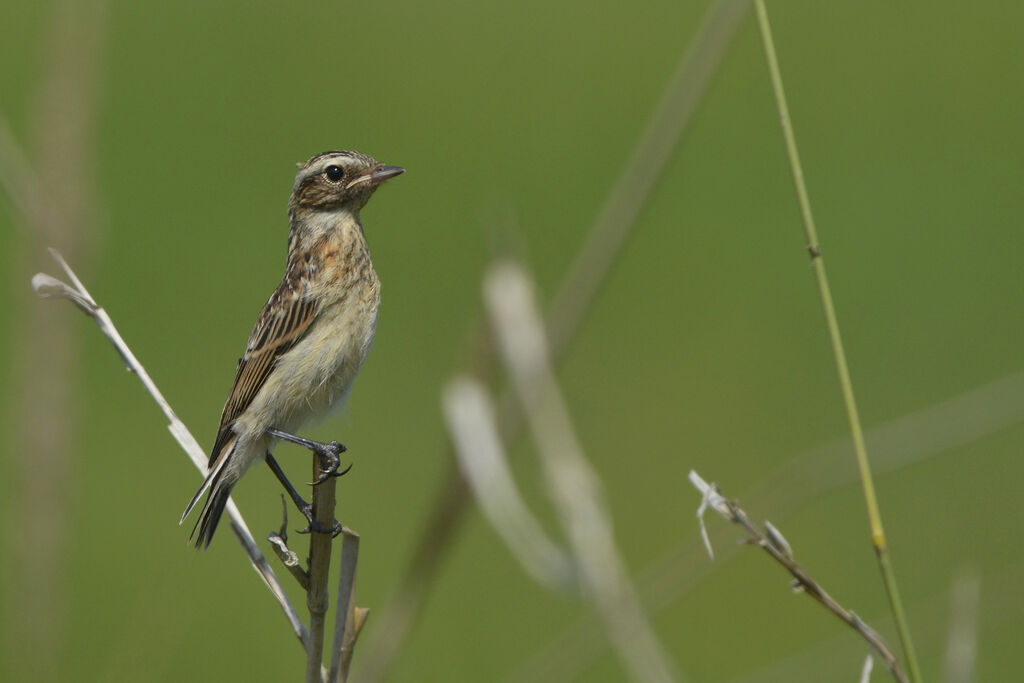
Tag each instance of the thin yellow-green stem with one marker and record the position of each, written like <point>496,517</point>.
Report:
<point>874,516</point>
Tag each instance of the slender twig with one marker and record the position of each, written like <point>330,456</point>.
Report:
<point>347,624</point>
<point>911,438</point>
<point>47,286</point>
<point>573,484</point>
<point>577,292</point>
<point>772,541</point>
<point>813,246</point>
<point>319,567</point>
<point>279,542</point>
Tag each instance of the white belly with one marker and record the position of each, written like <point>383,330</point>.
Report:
<point>317,373</point>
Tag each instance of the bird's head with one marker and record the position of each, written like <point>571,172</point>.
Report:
<point>338,181</point>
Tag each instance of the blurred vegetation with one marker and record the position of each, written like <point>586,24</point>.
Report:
<point>706,349</point>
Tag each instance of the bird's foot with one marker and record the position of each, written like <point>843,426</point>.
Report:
<point>311,524</point>
<point>305,508</point>
<point>316,526</point>
<point>328,453</point>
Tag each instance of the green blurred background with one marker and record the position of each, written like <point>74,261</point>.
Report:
<point>706,348</point>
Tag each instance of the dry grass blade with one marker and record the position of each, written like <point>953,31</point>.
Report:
<point>348,619</point>
<point>473,428</point>
<point>573,484</point>
<point>48,286</point>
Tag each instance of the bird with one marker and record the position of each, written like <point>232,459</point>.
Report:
<point>311,338</point>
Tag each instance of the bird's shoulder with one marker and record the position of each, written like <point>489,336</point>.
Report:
<point>288,311</point>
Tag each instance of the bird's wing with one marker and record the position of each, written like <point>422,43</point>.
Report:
<point>283,321</point>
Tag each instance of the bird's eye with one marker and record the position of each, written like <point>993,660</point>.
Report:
<point>334,173</point>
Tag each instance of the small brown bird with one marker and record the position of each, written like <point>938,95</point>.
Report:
<point>311,338</point>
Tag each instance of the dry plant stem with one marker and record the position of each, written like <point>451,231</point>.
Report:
<point>77,294</point>
<point>472,427</point>
<point>962,642</point>
<point>574,299</point>
<point>279,542</point>
<point>572,482</point>
<point>52,189</point>
<point>772,542</point>
<point>289,560</point>
<point>319,568</point>
<point>865,672</point>
<point>813,589</point>
<point>867,484</point>
<point>346,625</point>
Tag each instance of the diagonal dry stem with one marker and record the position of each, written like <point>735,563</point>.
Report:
<point>76,293</point>
<point>773,543</point>
<point>573,485</point>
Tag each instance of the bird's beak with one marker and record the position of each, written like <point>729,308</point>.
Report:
<point>376,176</point>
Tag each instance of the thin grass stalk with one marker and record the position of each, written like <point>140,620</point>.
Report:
<point>863,465</point>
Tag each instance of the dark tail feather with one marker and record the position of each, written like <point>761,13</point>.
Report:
<point>220,491</point>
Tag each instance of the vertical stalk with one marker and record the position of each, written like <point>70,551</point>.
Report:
<point>867,484</point>
<point>319,567</point>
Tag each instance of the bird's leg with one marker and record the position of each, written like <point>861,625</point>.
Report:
<point>305,508</point>
<point>327,452</point>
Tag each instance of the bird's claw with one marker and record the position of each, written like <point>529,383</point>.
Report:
<point>312,525</point>
<point>316,526</point>
<point>327,474</point>
<point>329,462</point>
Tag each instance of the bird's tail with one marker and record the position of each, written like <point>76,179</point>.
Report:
<point>219,482</point>
<point>220,491</point>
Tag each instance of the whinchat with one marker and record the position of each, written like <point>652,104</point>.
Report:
<point>312,336</point>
